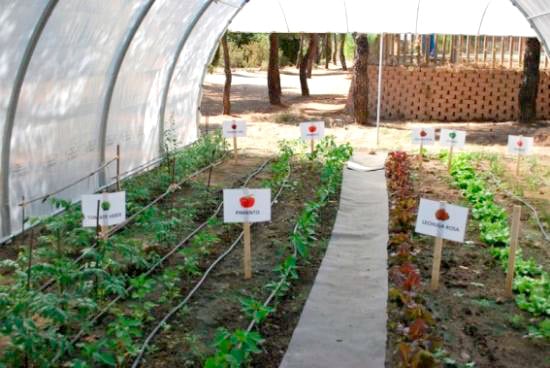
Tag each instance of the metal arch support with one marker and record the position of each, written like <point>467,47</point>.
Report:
<point>211,57</point>
<point>10,115</point>
<point>483,17</point>
<point>533,25</point>
<point>346,13</point>
<point>172,68</point>
<point>112,76</point>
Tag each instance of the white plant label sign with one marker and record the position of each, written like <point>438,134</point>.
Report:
<point>246,205</point>
<point>519,145</point>
<point>313,130</point>
<point>452,138</point>
<point>234,128</point>
<point>442,220</point>
<point>426,136</point>
<point>112,209</point>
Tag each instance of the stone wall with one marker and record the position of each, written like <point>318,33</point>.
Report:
<point>452,94</point>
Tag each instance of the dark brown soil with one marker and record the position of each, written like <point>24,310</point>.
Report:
<point>474,320</point>
<point>189,339</point>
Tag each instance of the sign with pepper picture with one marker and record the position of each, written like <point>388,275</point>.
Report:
<point>246,205</point>
<point>313,130</point>
<point>423,136</point>
<point>442,220</point>
<point>234,128</point>
<point>519,145</point>
<point>452,138</point>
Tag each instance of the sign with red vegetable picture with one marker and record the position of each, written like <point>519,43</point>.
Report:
<point>519,145</point>
<point>442,220</point>
<point>246,205</point>
<point>424,136</point>
<point>234,128</point>
<point>452,138</point>
<point>112,209</point>
<point>313,130</point>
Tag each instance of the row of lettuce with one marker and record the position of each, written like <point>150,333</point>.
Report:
<point>531,282</point>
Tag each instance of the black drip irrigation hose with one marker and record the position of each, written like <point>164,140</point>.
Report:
<point>93,320</point>
<point>197,286</point>
<point>277,288</point>
<point>498,182</point>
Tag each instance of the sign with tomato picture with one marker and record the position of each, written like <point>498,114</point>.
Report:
<point>246,205</point>
<point>112,209</point>
<point>313,130</point>
<point>442,220</point>
<point>234,128</point>
<point>519,145</point>
<point>424,136</point>
<point>452,138</point>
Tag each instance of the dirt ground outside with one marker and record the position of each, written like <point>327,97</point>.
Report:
<point>268,124</point>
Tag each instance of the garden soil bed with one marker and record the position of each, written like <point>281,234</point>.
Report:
<point>188,340</point>
<point>474,320</point>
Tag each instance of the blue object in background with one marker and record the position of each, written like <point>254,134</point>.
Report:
<point>432,45</point>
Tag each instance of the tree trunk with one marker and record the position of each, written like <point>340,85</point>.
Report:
<point>228,77</point>
<point>335,51</point>
<point>530,82</point>
<point>320,49</point>
<point>273,75</point>
<point>312,53</point>
<point>360,82</point>
<point>304,65</point>
<point>342,54</point>
<point>328,50</point>
<point>300,52</point>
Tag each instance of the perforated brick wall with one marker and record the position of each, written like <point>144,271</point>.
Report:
<point>461,94</point>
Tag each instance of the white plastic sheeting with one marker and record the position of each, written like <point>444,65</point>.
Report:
<point>467,17</point>
<point>55,134</point>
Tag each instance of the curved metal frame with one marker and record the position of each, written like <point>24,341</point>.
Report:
<point>533,25</point>
<point>210,58</point>
<point>172,68</point>
<point>12,110</point>
<point>112,76</point>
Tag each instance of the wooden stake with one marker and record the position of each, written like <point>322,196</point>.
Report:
<point>444,48</point>
<point>467,49</point>
<point>511,49</point>
<point>476,50</point>
<point>452,50</point>
<point>235,150</point>
<point>518,164</point>
<point>494,53</point>
<point>514,236</point>
<point>312,146</point>
<point>438,249</point>
<point>484,49</point>
<point>420,158</point>
<point>427,48</point>
<point>411,49</point>
<point>398,49</point>
<point>449,164</point>
<point>520,51</point>
<point>247,252</point>
<point>118,167</point>
<point>459,52</point>
<point>502,51</point>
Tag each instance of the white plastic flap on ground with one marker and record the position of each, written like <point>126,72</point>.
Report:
<point>467,17</point>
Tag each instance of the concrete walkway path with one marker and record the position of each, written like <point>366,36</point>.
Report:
<point>343,324</point>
